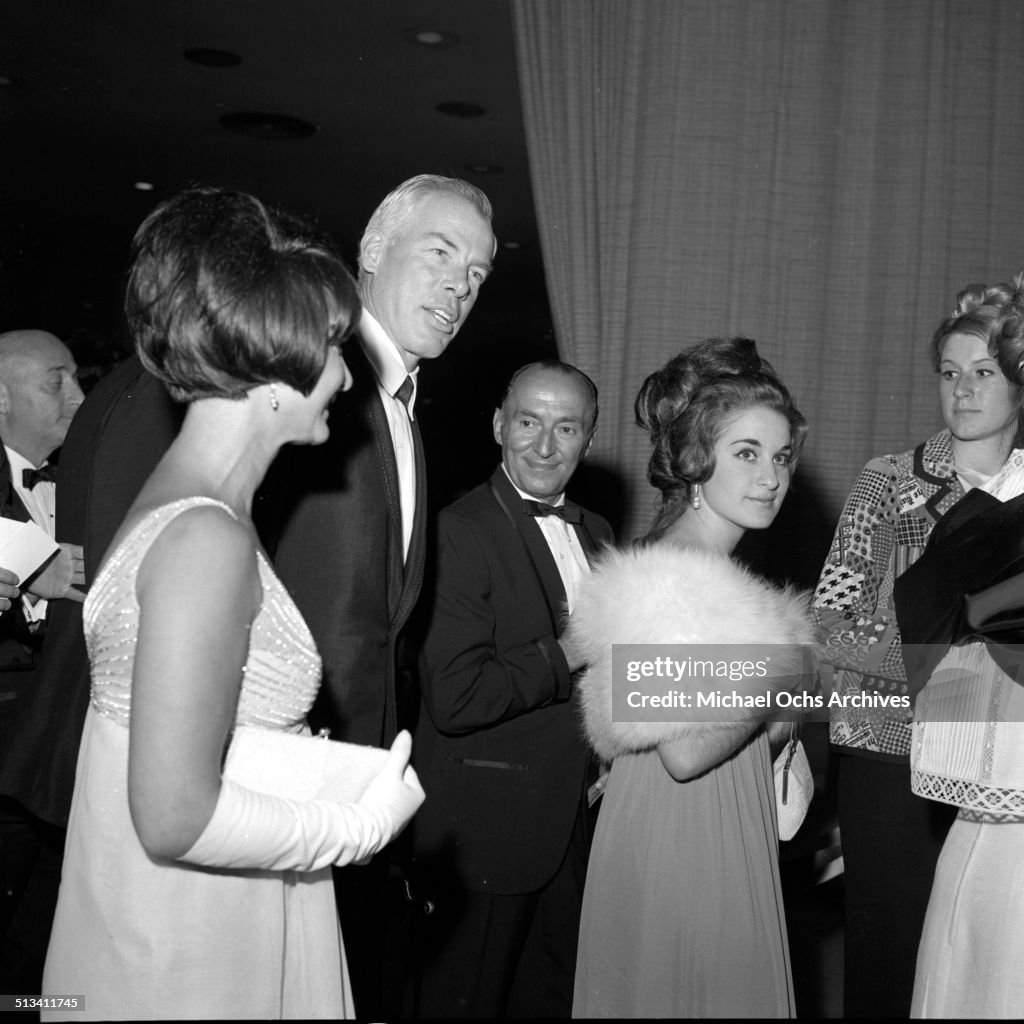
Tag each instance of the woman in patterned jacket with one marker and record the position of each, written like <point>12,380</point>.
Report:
<point>891,838</point>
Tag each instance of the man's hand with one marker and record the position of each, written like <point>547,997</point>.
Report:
<point>573,655</point>
<point>8,589</point>
<point>62,575</point>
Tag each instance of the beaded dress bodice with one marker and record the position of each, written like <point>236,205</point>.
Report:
<point>282,671</point>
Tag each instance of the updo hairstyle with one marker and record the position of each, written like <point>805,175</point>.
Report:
<point>995,314</point>
<point>225,294</point>
<point>685,405</point>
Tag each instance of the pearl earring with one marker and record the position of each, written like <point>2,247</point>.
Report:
<point>274,403</point>
<point>695,497</point>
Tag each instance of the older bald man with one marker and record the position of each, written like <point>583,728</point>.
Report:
<point>39,395</point>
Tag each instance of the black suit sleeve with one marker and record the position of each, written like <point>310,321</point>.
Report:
<point>475,675</point>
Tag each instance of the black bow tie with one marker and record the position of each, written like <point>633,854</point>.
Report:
<point>30,477</point>
<point>570,513</point>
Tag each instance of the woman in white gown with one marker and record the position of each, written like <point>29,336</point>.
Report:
<point>184,894</point>
<point>968,737</point>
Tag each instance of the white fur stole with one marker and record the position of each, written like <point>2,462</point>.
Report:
<point>671,595</point>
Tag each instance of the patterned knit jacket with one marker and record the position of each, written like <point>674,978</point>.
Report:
<point>883,529</point>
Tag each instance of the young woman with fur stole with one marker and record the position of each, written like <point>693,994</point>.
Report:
<point>682,912</point>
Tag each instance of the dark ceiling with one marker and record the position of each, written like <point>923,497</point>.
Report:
<point>99,95</point>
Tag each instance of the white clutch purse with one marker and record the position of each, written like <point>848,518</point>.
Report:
<point>298,766</point>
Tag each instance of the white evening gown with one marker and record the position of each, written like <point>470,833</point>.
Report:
<point>144,938</point>
<point>968,750</point>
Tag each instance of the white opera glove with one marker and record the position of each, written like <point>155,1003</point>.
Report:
<point>251,830</point>
<point>393,795</point>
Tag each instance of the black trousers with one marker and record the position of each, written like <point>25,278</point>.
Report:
<point>31,854</point>
<point>376,925</point>
<point>484,955</point>
<point>891,841</point>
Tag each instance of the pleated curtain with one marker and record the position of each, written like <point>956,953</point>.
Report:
<point>820,175</point>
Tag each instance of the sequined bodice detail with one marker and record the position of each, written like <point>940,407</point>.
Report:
<point>282,671</point>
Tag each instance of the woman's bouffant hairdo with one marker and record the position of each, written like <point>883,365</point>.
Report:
<point>225,294</point>
<point>993,313</point>
<point>684,406</point>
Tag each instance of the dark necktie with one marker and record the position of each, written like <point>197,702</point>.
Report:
<point>30,477</point>
<point>404,394</point>
<point>570,513</point>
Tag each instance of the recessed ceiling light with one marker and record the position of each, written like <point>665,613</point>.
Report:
<point>260,125</point>
<point>456,108</point>
<point>143,186</point>
<point>432,38</point>
<point>484,168</point>
<point>211,58</point>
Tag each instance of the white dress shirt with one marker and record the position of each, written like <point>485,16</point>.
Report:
<point>387,364</point>
<point>563,544</point>
<point>41,505</point>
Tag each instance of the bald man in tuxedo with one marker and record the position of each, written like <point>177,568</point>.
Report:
<point>39,397</point>
<point>502,840</point>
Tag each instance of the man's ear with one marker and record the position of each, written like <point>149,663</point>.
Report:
<point>590,441</point>
<point>496,423</point>
<point>371,251</point>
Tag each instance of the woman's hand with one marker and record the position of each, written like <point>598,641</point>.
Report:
<point>395,792</point>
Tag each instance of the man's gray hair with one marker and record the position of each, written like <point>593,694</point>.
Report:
<point>398,205</point>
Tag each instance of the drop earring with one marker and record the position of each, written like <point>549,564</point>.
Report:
<point>695,496</point>
<point>274,403</point>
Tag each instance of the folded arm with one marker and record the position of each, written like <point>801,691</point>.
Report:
<point>468,684</point>
<point>706,745</point>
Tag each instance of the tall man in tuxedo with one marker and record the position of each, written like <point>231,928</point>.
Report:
<point>39,396</point>
<point>353,538</point>
<point>503,833</point>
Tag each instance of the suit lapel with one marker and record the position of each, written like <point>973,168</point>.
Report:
<point>412,578</point>
<point>536,546</point>
<point>11,506</point>
<point>405,575</point>
<point>362,372</point>
<point>586,540</point>
<point>936,452</point>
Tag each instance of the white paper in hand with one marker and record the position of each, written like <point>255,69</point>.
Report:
<point>24,547</point>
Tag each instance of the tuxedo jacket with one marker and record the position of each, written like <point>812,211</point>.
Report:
<point>338,550</point>
<point>499,747</point>
<point>115,440</point>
